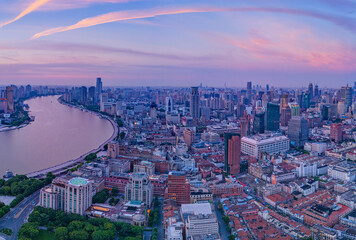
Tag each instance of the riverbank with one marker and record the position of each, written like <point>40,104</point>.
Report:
<point>63,167</point>
<point>6,128</point>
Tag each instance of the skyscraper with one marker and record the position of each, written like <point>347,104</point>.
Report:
<point>273,117</point>
<point>285,110</point>
<point>98,89</point>
<point>336,132</point>
<point>178,188</point>
<point>232,153</point>
<point>310,90</point>
<point>249,91</point>
<point>346,95</point>
<point>244,125</point>
<point>169,105</point>
<point>9,95</point>
<point>298,131</point>
<point>113,149</point>
<point>91,95</point>
<point>259,123</point>
<point>194,103</point>
<point>139,188</point>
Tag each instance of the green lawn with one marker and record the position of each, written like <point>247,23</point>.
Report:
<point>45,235</point>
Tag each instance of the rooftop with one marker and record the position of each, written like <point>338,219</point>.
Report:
<point>78,181</point>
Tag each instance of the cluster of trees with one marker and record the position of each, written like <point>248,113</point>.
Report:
<point>20,184</point>
<point>101,197</point>
<point>119,122</point>
<point>153,217</point>
<point>90,157</point>
<point>113,201</point>
<point>76,227</point>
<point>6,231</point>
<point>3,209</point>
<point>154,235</point>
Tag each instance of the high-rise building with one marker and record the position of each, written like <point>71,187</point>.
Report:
<point>244,125</point>
<point>325,112</point>
<point>189,136</point>
<point>273,117</point>
<point>259,123</point>
<point>139,188</point>
<point>9,95</point>
<point>346,95</point>
<point>232,153</point>
<point>113,149</point>
<point>316,92</point>
<point>153,110</point>
<point>91,95</point>
<point>298,131</point>
<point>73,196</point>
<point>285,110</point>
<point>169,105</point>
<point>311,90</point>
<point>98,89</point>
<point>178,188</point>
<point>249,91</point>
<point>194,103</point>
<point>264,143</point>
<point>83,94</point>
<point>295,110</point>
<point>336,132</point>
<point>28,90</point>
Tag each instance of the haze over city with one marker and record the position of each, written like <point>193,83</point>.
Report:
<point>177,120</point>
<point>178,43</point>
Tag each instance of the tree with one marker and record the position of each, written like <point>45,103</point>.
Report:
<point>29,230</point>
<point>61,233</point>
<point>101,197</point>
<point>35,217</point>
<point>114,191</point>
<point>79,235</point>
<point>231,237</point>
<point>75,225</point>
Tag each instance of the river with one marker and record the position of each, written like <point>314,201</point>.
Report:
<point>58,134</point>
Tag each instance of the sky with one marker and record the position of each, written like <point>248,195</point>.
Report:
<point>178,42</point>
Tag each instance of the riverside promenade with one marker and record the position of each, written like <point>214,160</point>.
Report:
<point>63,167</point>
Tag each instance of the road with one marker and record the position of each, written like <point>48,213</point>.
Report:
<point>222,226</point>
<point>18,215</point>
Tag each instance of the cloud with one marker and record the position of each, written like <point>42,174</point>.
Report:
<point>345,22</point>
<point>35,5</point>
<point>56,5</point>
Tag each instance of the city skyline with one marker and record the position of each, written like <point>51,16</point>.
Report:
<point>166,43</point>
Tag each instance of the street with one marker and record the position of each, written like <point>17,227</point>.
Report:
<point>18,215</point>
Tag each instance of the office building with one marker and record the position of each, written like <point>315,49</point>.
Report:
<point>298,131</point>
<point>189,136</point>
<point>194,103</point>
<point>200,220</point>
<point>232,153</point>
<point>346,96</point>
<point>9,95</point>
<point>73,196</point>
<point>145,167</point>
<point>169,105</point>
<point>264,143</point>
<point>273,117</point>
<point>249,92</point>
<point>310,90</point>
<point>178,188</point>
<point>98,89</point>
<point>113,149</point>
<point>336,132</point>
<point>259,123</point>
<point>244,125</point>
<point>139,188</point>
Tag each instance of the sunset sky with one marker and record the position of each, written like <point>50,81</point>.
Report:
<point>178,43</point>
